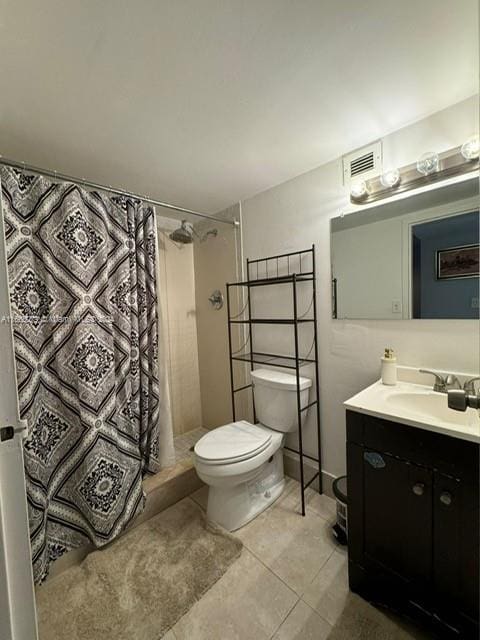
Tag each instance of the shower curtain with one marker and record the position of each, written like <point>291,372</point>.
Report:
<point>82,275</point>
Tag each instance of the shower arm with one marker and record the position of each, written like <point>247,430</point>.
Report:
<point>210,232</point>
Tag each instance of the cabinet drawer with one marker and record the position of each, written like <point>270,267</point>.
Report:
<point>449,455</point>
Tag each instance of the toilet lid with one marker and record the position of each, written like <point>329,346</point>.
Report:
<point>232,443</point>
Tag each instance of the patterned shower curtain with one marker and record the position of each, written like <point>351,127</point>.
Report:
<point>83,299</point>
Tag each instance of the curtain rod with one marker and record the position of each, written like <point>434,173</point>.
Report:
<point>94,185</point>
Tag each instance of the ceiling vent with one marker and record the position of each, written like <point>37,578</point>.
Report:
<point>363,163</point>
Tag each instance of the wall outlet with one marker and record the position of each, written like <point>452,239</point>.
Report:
<point>475,304</point>
<point>396,306</point>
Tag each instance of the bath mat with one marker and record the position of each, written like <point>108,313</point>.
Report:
<point>139,586</point>
<point>361,621</point>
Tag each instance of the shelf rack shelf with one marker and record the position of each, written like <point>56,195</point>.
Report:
<point>287,362</point>
<point>273,321</point>
<point>286,268</point>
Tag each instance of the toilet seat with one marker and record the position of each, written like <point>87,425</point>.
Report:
<point>234,442</point>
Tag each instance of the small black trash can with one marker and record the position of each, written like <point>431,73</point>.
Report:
<point>340,491</point>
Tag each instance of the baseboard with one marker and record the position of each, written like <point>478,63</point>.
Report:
<point>292,469</point>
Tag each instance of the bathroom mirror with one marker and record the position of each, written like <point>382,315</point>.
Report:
<point>413,258</point>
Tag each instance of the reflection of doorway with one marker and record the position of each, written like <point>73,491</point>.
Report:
<point>434,297</point>
<point>416,275</point>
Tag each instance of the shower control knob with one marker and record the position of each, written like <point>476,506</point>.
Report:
<point>216,299</point>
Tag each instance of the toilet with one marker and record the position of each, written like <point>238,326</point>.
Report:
<point>241,462</point>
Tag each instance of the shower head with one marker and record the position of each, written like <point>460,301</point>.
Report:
<point>184,234</point>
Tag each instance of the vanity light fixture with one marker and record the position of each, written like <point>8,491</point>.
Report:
<point>471,148</point>
<point>431,167</point>
<point>428,163</point>
<point>359,190</point>
<point>390,178</point>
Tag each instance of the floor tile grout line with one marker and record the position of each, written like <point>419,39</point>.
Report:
<point>271,570</point>
<point>315,611</point>
<point>291,611</point>
<point>285,618</point>
<point>318,572</point>
<point>313,510</point>
<point>245,544</point>
<point>297,597</point>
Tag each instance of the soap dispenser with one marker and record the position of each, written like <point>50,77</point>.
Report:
<point>389,368</point>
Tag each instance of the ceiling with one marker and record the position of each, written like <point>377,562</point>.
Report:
<point>205,102</point>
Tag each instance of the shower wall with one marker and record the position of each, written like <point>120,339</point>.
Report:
<point>177,283</point>
<point>199,372</point>
<point>217,261</point>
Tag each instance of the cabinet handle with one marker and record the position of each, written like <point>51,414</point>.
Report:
<point>418,489</point>
<point>446,498</point>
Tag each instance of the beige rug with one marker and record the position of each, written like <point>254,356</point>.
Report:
<point>360,621</point>
<point>140,585</point>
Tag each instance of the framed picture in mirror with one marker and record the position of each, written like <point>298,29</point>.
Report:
<point>458,262</point>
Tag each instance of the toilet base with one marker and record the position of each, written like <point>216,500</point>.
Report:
<point>233,507</point>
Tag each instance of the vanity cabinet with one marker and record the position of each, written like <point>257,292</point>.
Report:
<point>413,522</point>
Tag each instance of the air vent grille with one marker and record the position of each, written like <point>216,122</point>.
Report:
<point>362,164</point>
<point>365,162</point>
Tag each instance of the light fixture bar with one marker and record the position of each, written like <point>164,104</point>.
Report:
<point>451,163</point>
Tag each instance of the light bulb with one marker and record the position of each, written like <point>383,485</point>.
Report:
<point>428,163</point>
<point>471,148</point>
<point>390,178</point>
<point>359,190</point>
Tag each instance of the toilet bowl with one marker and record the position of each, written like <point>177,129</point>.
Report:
<point>241,462</point>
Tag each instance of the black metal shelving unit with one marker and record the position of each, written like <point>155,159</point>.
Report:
<point>282,269</point>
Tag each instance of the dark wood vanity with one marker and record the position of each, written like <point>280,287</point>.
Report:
<point>413,522</point>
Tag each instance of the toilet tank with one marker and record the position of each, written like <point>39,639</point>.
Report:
<point>275,395</point>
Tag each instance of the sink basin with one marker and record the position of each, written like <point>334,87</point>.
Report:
<point>431,406</point>
<point>416,405</point>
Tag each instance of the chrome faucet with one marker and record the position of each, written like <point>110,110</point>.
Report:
<point>460,399</point>
<point>443,384</point>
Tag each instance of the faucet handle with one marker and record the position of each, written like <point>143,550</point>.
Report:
<point>440,381</point>
<point>459,400</point>
<point>469,385</point>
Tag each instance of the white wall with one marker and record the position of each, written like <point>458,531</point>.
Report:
<point>297,213</point>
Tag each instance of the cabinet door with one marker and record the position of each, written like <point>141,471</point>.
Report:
<point>456,542</point>
<point>398,516</point>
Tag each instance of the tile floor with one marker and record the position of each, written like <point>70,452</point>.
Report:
<point>184,442</point>
<point>289,583</point>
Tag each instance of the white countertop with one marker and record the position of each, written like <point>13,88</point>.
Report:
<point>416,405</point>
